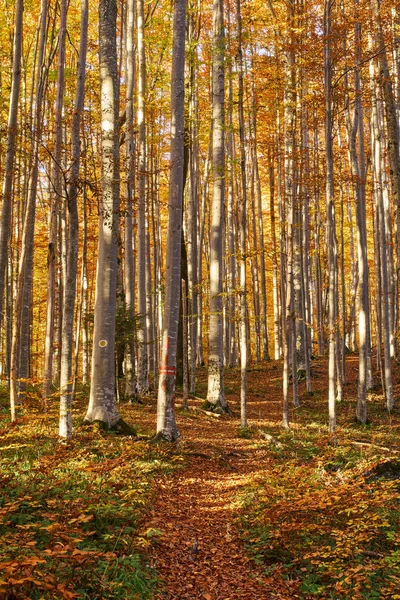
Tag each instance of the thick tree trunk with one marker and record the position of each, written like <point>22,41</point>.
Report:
<point>102,405</point>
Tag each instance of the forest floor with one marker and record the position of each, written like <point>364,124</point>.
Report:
<point>226,513</point>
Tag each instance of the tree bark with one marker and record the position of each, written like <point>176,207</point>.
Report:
<point>130,385</point>
<point>66,375</point>
<point>102,405</point>
<point>142,369</point>
<point>166,424</point>
<point>216,392</point>
<point>330,209</point>
<point>12,130</point>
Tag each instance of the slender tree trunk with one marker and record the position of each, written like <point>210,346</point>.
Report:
<point>142,374</point>
<point>231,349</point>
<point>166,424</point>
<point>242,228</point>
<point>130,386</point>
<point>66,376</point>
<point>275,291</point>
<point>377,135</point>
<point>185,384</point>
<point>289,345</point>
<point>216,392</point>
<point>193,198</point>
<point>12,130</point>
<point>330,208</point>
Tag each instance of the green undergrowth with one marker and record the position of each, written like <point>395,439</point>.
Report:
<point>71,514</point>
<point>326,518</point>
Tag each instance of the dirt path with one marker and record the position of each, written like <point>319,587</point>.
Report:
<point>200,554</point>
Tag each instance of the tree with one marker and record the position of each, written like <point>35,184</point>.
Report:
<point>216,393</point>
<point>72,238</point>
<point>142,370</point>
<point>166,424</point>
<point>242,229</point>
<point>12,130</point>
<point>102,403</point>
<point>330,208</point>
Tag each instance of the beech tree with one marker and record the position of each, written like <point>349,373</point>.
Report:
<point>216,393</point>
<point>6,207</point>
<point>166,424</point>
<point>102,403</point>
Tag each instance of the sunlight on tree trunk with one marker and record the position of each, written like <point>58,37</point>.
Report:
<point>166,424</point>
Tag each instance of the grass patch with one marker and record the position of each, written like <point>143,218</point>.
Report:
<point>327,520</point>
<point>70,514</point>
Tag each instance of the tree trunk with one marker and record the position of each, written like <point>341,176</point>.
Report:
<point>12,130</point>
<point>130,386</point>
<point>242,229</point>
<point>384,303</point>
<point>216,392</point>
<point>166,424</point>
<point>330,210</point>
<point>72,238</point>
<point>142,374</point>
<point>102,405</point>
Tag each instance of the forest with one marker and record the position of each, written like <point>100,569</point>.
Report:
<point>199,299</point>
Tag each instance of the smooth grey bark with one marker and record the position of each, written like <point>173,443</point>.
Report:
<point>85,290</point>
<point>193,196</point>
<point>81,316</point>
<point>216,392</point>
<point>66,375</point>
<point>185,347</point>
<point>102,405</point>
<point>231,349</point>
<point>150,326</point>
<point>242,228</point>
<point>202,218</point>
<point>317,243</point>
<point>263,282</point>
<point>166,424</point>
<point>142,367</point>
<point>304,250</point>
<point>130,385</point>
<point>330,210</point>
<point>275,290</point>
<point>289,345</point>
<point>383,276</point>
<point>12,130</point>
